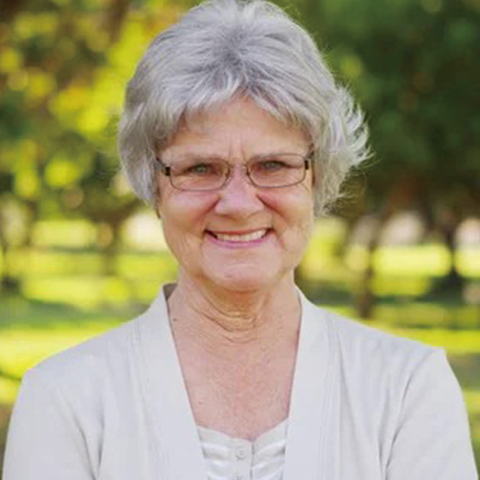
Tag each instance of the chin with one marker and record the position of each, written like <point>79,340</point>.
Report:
<point>245,279</point>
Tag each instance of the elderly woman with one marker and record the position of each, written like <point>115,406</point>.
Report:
<point>235,132</point>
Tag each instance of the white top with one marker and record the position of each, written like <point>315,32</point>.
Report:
<point>365,405</point>
<point>240,459</point>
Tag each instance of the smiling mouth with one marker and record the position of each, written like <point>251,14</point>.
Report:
<point>240,238</point>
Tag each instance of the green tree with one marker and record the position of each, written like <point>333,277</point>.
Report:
<point>414,67</point>
<point>63,69</point>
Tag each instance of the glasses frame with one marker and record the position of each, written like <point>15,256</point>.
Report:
<point>166,170</point>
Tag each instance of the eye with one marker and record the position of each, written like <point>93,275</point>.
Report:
<point>269,165</point>
<point>201,169</point>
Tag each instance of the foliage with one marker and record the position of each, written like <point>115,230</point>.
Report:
<point>64,65</point>
<point>63,70</point>
<point>414,65</point>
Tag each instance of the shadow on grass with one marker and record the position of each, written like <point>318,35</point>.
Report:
<point>18,311</point>
<point>440,311</point>
<point>467,370</point>
<point>5,412</point>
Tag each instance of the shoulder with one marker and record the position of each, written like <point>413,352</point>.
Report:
<point>105,366</point>
<point>73,390</point>
<point>403,388</point>
<point>91,363</point>
<point>361,350</point>
<point>358,336</point>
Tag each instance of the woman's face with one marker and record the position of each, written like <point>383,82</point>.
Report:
<point>241,237</point>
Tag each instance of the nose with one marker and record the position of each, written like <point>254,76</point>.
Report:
<point>238,198</point>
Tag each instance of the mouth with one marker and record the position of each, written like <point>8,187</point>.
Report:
<point>240,238</point>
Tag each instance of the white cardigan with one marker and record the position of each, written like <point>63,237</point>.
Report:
<point>365,405</point>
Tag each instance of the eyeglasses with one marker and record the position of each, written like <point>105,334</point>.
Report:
<point>264,171</point>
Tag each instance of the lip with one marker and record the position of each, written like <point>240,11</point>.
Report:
<point>212,236</point>
<point>237,232</point>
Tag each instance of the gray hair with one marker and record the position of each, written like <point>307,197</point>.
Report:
<point>222,49</point>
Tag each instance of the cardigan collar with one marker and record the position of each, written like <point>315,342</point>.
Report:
<point>173,423</point>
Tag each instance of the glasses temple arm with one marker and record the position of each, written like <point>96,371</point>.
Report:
<point>159,165</point>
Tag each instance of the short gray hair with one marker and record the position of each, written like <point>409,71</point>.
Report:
<point>222,49</point>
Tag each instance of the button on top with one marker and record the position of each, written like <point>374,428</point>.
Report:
<point>241,453</point>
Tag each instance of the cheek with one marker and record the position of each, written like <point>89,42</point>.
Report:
<point>294,221</point>
<point>294,208</point>
<point>179,206</point>
<point>183,214</point>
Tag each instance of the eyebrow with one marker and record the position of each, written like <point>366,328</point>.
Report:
<point>213,156</point>
<point>200,156</point>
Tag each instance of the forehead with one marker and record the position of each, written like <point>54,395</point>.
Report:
<point>239,128</point>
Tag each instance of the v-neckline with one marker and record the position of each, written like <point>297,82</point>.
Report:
<point>224,438</point>
<point>173,422</point>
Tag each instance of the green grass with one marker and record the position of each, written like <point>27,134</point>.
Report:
<point>34,330</point>
<point>23,347</point>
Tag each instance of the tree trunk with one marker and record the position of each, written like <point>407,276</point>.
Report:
<point>403,193</point>
<point>452,282</point>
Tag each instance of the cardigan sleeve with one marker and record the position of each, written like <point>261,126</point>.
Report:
<point>432,440</point>
<point>44,440</point>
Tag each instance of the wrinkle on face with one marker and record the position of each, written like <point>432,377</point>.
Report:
<point>236,133</point>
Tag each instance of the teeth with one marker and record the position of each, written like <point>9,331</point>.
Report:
<point>249,237</point>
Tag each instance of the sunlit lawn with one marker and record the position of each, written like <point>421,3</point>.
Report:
<point>68,298</point>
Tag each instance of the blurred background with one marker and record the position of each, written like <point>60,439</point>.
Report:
<point>79,254</point>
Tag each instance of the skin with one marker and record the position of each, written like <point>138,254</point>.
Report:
<point>236,300</point>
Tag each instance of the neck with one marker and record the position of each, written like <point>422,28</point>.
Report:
<point>225,323</point>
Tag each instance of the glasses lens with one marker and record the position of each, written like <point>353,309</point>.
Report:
<point>277,171</point>
<point>199,174</point>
